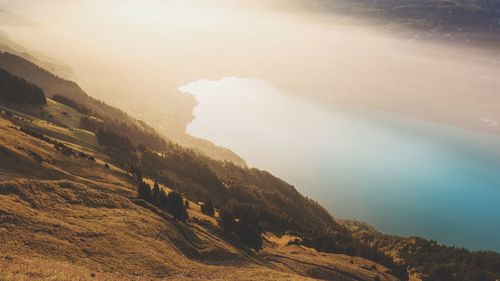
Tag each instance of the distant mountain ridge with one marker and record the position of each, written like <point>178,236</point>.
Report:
<point>466,14</point>
<point>456,13</point>
<point>476,22</point>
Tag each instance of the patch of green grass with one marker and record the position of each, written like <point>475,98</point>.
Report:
<point>63,114</point>
<point>86,136</point>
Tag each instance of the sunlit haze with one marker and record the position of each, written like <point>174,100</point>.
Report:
<point>150,48</point>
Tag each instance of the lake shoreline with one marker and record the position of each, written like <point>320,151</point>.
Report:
<point>440,153</point>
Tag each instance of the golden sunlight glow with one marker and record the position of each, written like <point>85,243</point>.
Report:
<point>158,45</point>
<point>152,13</point>
<point>140,12</point>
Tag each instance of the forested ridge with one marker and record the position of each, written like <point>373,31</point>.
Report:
<point>54,86</point>
<point>18,90</point>
<point>65,91</point>
<point>431,259</point>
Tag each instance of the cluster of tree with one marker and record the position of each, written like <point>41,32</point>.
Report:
<point>140,138</point>
<point>36,134</point>
<point>18,90</point>
<point>66,150</point>
<point>243,226</point>
<point>182,164</point>
<point>208,208</point>
<point>280,206</point>
<point>90,123</point>
<point>118,146</point>
<point>455,264</point>
<point>459,272</point>
<point>435,261</point>
<point>36,156</point>
<point>171,202</point>
<point>333,241</point>
<point>277,205</point>
<point>71,103</point>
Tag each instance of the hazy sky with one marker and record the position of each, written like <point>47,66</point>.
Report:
<point>124,51</point>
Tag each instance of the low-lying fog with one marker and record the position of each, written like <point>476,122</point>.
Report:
<point>136,53</point>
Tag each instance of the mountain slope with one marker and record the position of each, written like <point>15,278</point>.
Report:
<point>279,204</point>
<point>53,85</point>
<point>66,217</point>
<point>71,207</point>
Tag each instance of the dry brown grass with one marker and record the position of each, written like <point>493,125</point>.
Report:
<point>309,262</point>
<point>24,269</point>
<point>279,241</point>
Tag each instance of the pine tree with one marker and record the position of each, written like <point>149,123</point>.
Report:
<point>249,232</point>
<point>136,171</point>
<point>144,191</point>
<point>226,221</point>
<point>18,90</point>
<point>176,206</point>
<point>208,208</point>
<point>156,192</point>
<point>163,200</point>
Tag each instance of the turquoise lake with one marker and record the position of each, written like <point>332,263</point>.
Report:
<point>402,175</point>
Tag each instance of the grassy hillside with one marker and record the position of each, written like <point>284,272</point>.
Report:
<point>64,217</point>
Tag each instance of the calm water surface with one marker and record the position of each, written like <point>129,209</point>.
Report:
<point>403,176</point>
